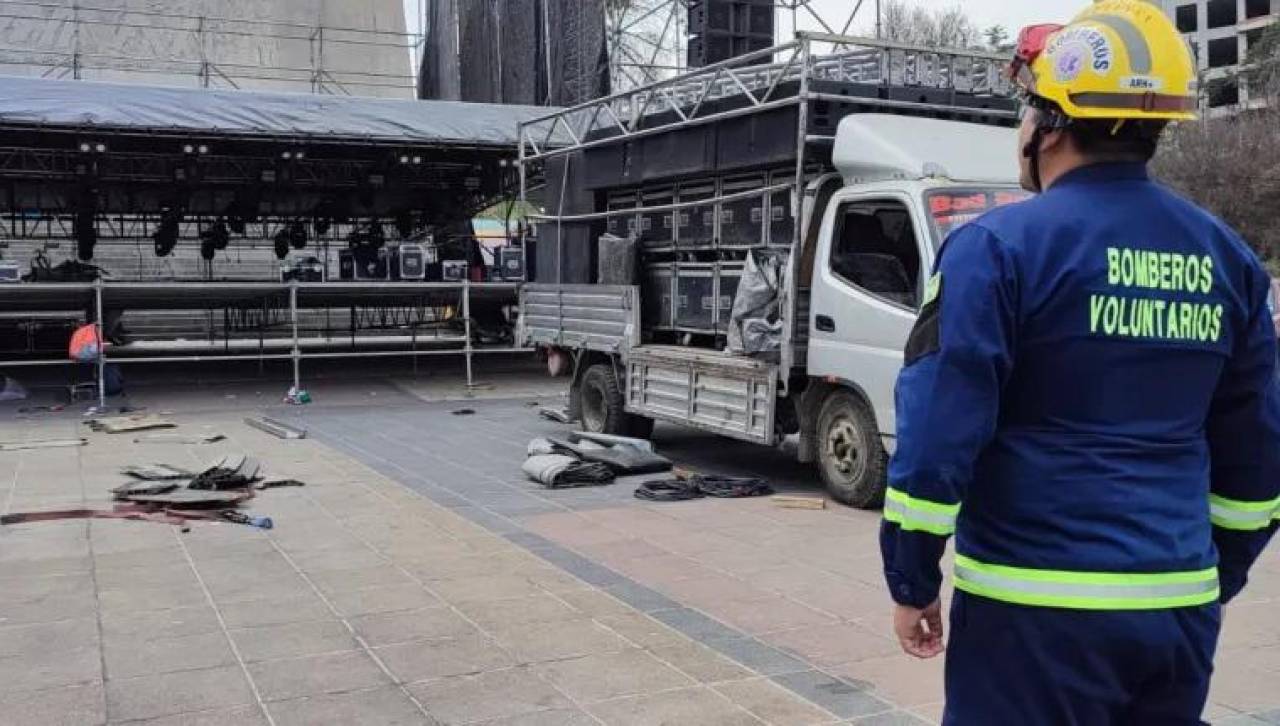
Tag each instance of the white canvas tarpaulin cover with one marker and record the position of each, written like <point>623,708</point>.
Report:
<point>82,104</point>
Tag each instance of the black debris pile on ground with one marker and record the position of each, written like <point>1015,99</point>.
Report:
<point>172,495</point>
<point>683,487</point>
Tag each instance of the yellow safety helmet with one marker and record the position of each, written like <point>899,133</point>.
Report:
<point>1118,59</point>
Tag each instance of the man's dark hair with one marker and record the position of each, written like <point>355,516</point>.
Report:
<point>1103,141</point>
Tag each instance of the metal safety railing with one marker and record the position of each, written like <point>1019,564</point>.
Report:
<point>459,345</point>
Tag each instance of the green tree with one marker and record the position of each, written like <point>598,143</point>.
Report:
<point>997,37</point>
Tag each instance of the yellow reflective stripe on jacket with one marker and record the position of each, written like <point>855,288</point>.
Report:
<point>920,515</point>
<point>1242,515</point>
<point>1087,590</point>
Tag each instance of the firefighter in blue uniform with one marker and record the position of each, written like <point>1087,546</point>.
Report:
<point>1088,404</point>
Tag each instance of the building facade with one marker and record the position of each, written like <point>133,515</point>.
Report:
<point>309,46</point>
<point>1221,33</point>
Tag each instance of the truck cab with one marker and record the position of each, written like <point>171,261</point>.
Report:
<point>906,183</point>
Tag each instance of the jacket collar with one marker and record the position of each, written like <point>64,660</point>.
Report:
<point>1103,172</point>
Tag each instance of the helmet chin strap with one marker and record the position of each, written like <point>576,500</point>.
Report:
<point>1032,151</point>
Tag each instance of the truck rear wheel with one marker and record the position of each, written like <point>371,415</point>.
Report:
<point>850,456</point>
<point>604,408</point>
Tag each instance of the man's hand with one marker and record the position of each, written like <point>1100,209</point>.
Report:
<point>919,631</point>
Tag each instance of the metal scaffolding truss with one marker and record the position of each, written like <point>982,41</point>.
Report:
<point>764,80</point>
<point>190,42</point>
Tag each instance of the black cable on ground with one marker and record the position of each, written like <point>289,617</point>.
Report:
<point>730,487</point>
<point>667,490</point>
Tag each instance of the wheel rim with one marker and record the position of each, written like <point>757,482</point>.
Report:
<point>593,411</point>
<point>845,451</point>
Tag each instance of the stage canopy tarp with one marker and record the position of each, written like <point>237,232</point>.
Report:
<point>82,106</point>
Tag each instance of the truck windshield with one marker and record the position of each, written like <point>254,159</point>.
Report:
<point>950,208</point>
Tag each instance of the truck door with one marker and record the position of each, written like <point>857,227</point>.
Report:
<point>869,276</point>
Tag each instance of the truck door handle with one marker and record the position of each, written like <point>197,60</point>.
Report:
<point>825,324</point>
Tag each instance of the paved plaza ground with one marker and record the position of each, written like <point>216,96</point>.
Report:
<point>418,578</point>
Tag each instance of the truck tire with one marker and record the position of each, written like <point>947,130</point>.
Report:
<point>852,460</point>
<point>603,407</point>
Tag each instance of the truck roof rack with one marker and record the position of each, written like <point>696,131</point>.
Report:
<point>865,73</point>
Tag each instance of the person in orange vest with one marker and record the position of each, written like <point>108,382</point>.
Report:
<point>85,347</point>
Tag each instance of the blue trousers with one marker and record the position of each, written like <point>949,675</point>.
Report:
<point>1029,666</point>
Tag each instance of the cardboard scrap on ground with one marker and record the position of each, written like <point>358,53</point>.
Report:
<point>128,424</point>
<point>279,429</point>
<point>791,502</point>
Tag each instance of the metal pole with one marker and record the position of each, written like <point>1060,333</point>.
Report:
<point>466,327</point>
<point>297,351</point>
<point>100,334</point>
<point>878,29</point>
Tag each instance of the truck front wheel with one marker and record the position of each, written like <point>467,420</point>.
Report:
<point>603,407</point>
<point>852,460</point>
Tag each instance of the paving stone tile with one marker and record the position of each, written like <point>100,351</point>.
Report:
<point>279,680</point>
<point>558,640</point>
<point>161,597</point>
<point>485,587</point>
<point>330,560</point>
<point>757,656</point>
<point>283,586</point>
<point>595,603</point>
<point>15,590</point>
<point>377,707</point>
<point>175,693</point>
<point>700,706</point>
<point>131,656</point>
<point>540,608</point>
<point>833,645</point>
<point>408,625</point>
<point>696,625</point>
<point>39,670</point>
<point>254,613</point>
<point>843,699</point>
<point>773,703</point>
<point>65,635</point>
<point>488,696</point>
<point>47,566</point>
<point>611,675</point>
<point>758,617</point>
<point>640,597</point>
<point>700,663</point>
<point>156,624</point>
<point>238,716</point>
<point>892,718</point>
<point>554,717</point>
<point>72,706</point>
<point>292,640</point>
<point>901,679</point>
<point>643,630</point>
<point>167,556</point>
<point>334,581</point>
<point>131,577</point>
<point>387,599</point>
<point>425,659</point>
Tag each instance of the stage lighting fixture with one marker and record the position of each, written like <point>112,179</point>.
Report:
<point>300,154</point>
<point>236,223</point>
<point>203,148</point>
<point>404,159</point>
<point>269,176</point>
<point>377,237</point>
<point>100,148</point>
<point>417,160</point>
<point>86,232</point>
<point>297,235</point>
<point>404,224</point>
<point>217,235</point>
<point>286,154</point>
<point>188,149</point>
<point>281,242</point>
<point>166,235</point>
<point>85,147</point>
<point>322,225</point>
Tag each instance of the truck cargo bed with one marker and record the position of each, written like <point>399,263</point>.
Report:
<point>709,390</point>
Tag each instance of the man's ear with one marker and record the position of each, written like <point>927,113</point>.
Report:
<point>1053,141</point>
